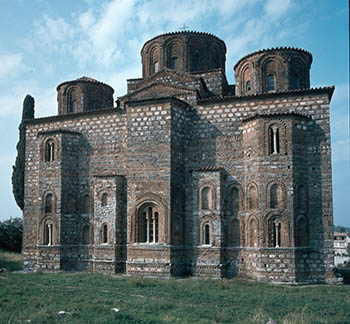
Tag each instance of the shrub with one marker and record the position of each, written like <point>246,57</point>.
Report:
<point>11,232</point>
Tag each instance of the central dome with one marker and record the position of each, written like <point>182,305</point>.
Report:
<point>186,51</point>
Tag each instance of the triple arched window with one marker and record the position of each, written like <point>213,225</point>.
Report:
<point>149,224</point>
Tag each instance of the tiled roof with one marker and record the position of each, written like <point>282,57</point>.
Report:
<point>283,48</point>
<point>84,79</point>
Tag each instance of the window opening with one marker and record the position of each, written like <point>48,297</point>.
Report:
<point>295,82</point>
<point>150,224</point>
<point>104,233</point>
<point>249,86</point>
<point>156,67</point>
<point>270,82</point>
<point>205,196</point>
<point>206,234</point>
<point>276,234</point>
<point>173,63</point>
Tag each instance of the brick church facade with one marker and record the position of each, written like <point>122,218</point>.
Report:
<point>186,174</point>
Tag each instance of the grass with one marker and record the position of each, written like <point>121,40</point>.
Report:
<point>11,261</point>
<point>89,298</point>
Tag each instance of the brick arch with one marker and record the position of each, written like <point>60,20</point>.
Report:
<point>211,196</point>
<point>175,47</point>
<point>230,209</point>
<point>271,65</point>
<point>73,93</point>
<point>153,57</point>
<point>283,200</point>
<point>283,140</point>
<point>252,231</point>
<point>43,235</point>
<point>245,74</point>
<point>285,231</point>
<point>45,202</point>
<point>252,196</point>
<point>164,223</point>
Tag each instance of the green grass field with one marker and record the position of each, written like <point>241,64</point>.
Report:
<point>89,298</point>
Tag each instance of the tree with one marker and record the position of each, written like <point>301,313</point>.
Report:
<point>11,232</point>
<point>18,168</point>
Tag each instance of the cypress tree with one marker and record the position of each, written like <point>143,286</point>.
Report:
<point>18,168</point>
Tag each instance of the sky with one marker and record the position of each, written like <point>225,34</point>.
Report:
<point>46,42</point>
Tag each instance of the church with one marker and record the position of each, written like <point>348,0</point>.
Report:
<point>185,174</point>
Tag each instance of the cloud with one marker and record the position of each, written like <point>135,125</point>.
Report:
<point>10,65</point>
<point>277,8</point>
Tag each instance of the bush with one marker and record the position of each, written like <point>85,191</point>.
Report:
<point>11,233</point>
<point>344,271</point>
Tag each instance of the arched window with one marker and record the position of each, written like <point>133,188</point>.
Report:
<point>276,196</point>
<point>271,82</point>
<point>49,203</point>
<point>302,232</point>
<point>49,150</point>
<point>149,224</point>
<point>206,198</point>
<point>86,234</point>
<point>85,204</point>
<point>206,234</point>
<point>104,199</point>
<point>278,232</point>
<point>295,81</point>
<point>49,233</point>
<point>195,62</point>
<point>173,63</point>
<point>104,233</point>
<point>252,197</point>
<point>248,86</point>
<point>274,139</point>
<point>235,233</point>
<point>72,103</point>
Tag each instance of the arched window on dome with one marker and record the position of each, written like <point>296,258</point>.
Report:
<point>155,67</point>
<point>248,86</point>
<point>271,82</point>
<point>173,63</point>
<point>195,62</point>
<point>295,81</point>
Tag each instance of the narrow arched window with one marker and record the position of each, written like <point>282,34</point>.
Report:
<point>195,63</point>
<point>302,232</point>
<point>206,234</point>
<point>104,233</point>
<point>104,199</point>
<point>274,140</point>
<point>49,150</point>
<point>205,198</point>
<point>270,82</point>
<point>173,63</point>
<point>74,106</point>
<point>248,86</point>
<point>86,234</point>
<point>49,203</point>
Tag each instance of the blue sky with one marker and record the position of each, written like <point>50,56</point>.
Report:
<point>44,43</point>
